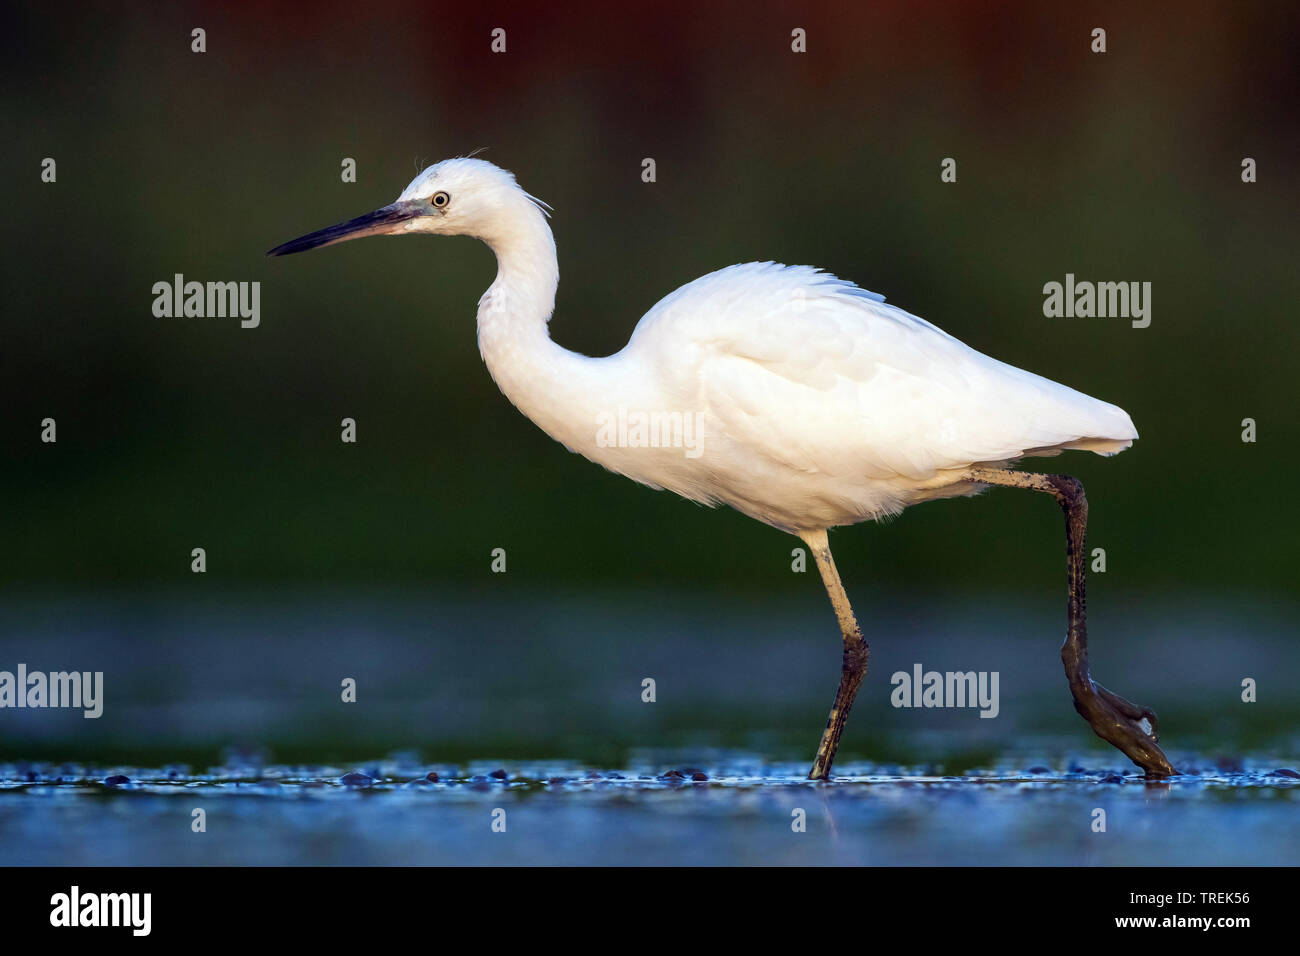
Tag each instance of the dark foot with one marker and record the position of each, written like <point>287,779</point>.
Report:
<point>1125,725</point>
<point>1138,715</point>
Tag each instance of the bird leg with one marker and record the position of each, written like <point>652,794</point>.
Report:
<point>855,655</point>
<point>1127,726</point>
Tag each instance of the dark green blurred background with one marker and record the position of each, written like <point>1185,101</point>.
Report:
<point>177,433</point>
<point>172,432</point>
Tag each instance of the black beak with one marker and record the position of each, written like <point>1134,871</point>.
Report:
<point>381,222</point>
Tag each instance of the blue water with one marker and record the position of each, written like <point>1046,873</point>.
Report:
<point>741,811</point>
<point>547,688</point>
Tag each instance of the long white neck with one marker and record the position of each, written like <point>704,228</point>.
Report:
<point>561,391</point>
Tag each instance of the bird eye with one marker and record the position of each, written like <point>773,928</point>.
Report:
<point>440,199</point>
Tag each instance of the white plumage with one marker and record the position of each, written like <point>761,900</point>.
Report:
<point>825,406</point>
<point>789,394</point>
<point>818,403</point>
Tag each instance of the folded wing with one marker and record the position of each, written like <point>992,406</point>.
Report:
<point>822,376</point>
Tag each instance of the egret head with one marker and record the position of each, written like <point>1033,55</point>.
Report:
<point>456,197</point>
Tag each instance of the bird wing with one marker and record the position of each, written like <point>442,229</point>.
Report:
<point>820,375</point>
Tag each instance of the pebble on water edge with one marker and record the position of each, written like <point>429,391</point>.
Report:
<point>699,775</point>
<point>1285,772</point>
<point>431,776</point>
<point>356,779</point>
<point>499,775</point>
<point>116,780</point>
<point>1111,778</point>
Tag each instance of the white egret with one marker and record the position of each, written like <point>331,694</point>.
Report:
<point>809,403</point>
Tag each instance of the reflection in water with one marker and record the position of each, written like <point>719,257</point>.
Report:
<point>737,810</point>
